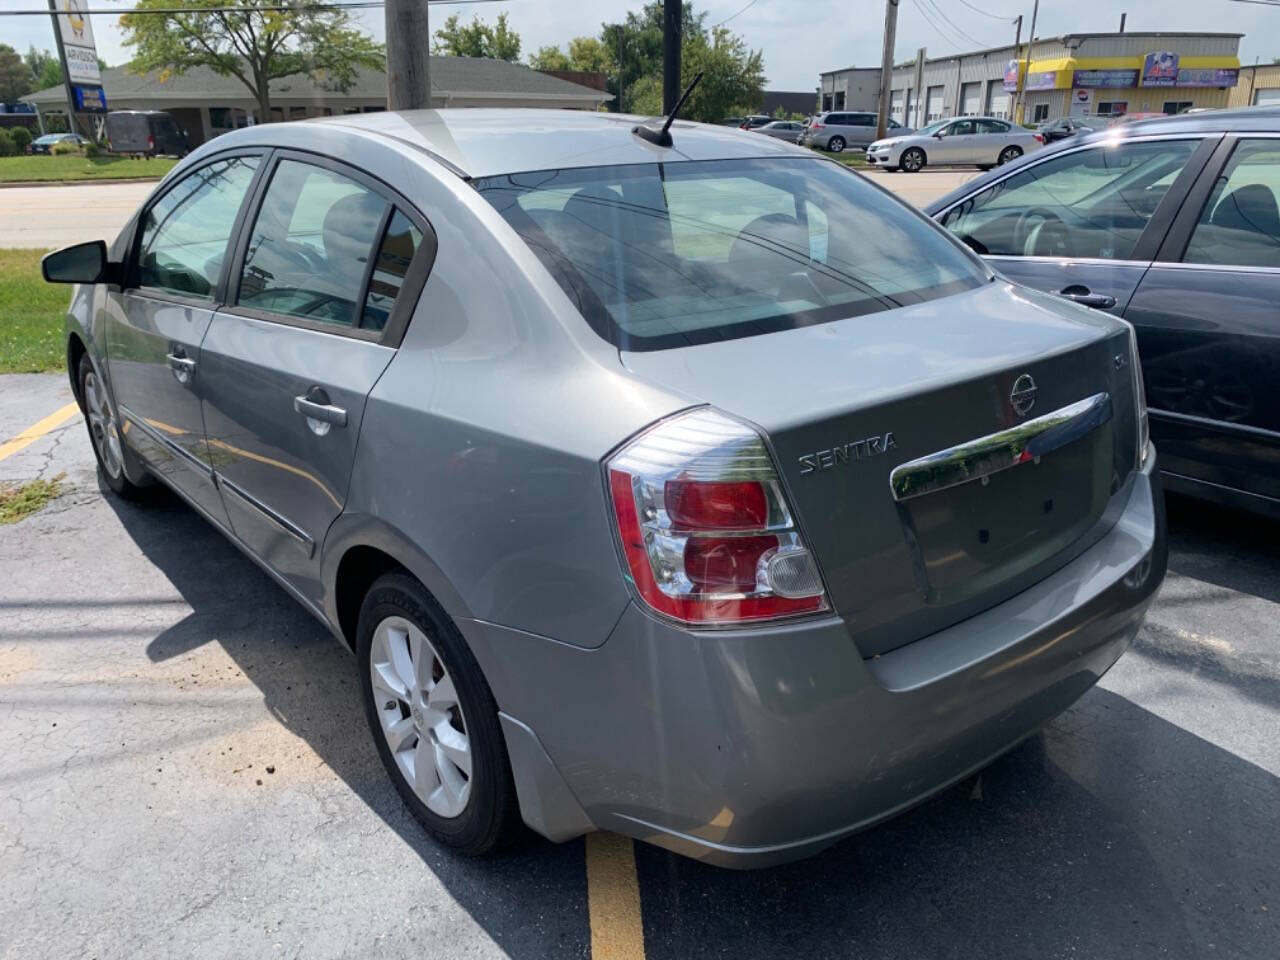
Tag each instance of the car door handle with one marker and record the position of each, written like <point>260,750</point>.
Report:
<point>181,365</point>
<point>315,405</point>
<point>1087,298</point>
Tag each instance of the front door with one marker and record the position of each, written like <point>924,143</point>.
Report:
<point>288,365</point>
<point>1076,224</point>
<point>156,324</point>
<point>1207,316</point>
<point>957,144</point>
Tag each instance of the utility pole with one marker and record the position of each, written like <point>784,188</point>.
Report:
<point>886,66</point>
<point>408,55</point>
<point>66,70</point>
<point>1031,42</point>
<point>672,20</point>
<point>1017,73</point>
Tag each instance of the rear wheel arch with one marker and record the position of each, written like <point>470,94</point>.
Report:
<point>75,350</point>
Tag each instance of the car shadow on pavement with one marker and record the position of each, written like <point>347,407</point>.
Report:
<point>1228,548</point>
<point>1113,833</point>
<point>530,900</point>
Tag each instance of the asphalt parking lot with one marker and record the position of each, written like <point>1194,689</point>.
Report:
<point>185,771</point>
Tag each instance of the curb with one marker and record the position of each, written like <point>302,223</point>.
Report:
<point>78,183</point>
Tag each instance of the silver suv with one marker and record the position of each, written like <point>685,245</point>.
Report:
<point>836,129</point>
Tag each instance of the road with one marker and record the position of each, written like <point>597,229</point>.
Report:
<point>186,772</point>
<point>55,216</point>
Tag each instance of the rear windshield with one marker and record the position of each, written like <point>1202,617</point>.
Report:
<point>665,255</point>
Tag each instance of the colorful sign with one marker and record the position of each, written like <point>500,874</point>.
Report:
<point>1080,99</point>
<point>1045,80</point>
<point>1011,70</point>
<point>1207,77</point>
<point>1160,69</point>
<point>1104,78</point>
<point>77,42</point>
<point>90,99</point>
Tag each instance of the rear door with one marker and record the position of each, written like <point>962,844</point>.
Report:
<point>324,280</point>
<point>156,322</point>
<point>1083,223</point>
<point>862,129</point>
<point>1207,315</point>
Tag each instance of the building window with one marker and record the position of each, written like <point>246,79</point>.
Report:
<point>826,101</point>
<point>297,113</point>
<point>1041,113</point>
<point>350,109</point>
<point>839,100</point>
<point>1112,108</point>
<point>277,114</point>
<point>1175,107</point>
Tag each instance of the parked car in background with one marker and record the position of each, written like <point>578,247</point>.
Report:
<point>548,473</point>
<point>45,144</point>
<point>983,142</point>
<point>1065,127</point>
<point>788,130</point>
<point>835,130</point>
<point>1173,224</point>
<point>145,133</point>
<point>754,121</point>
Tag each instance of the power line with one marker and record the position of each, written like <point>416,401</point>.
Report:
<point>743,10</point>
<point>951,23</point>
<point>941,33</point>
<point>302,7</point>
<point>993,16</point>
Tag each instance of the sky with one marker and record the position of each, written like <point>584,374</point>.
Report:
<point>800,38</point>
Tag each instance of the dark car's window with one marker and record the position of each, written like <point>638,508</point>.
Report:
<point>399,245</point>
<point>665,255</point>
<point>863,120</point>
<point>1090,203</point>
<point>185,233</point>
<point>311,244</point>
<point>1240,223</point>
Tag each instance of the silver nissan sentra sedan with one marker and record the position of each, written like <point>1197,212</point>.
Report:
<point>649,494</point>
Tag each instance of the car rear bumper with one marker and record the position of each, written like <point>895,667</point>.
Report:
<point>749,748</point>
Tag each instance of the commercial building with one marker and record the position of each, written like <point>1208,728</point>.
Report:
<point>1258,85</point>
<point>206,104</point>
<point>1079,74</point>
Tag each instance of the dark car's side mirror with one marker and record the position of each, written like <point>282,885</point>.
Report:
<point>82,263</point>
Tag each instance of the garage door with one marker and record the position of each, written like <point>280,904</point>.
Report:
<point>997,100</point>
<point>1271,96</point>
<point>895,106</point>
<point>933,103</point>
<point>971,99</point>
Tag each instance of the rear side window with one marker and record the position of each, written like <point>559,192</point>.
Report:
<point>1240,223</point>
<point>311,245</point>
<point>390,267</point>
<point>667,255</point>
<point>991,126</point>
<point>185,233</point>
<point>1089,203</point>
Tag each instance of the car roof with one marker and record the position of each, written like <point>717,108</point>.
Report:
<point>485,142</point>
<point>1238,120</point>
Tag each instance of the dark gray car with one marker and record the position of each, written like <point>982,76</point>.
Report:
<point>650,496</point>
<point>1173,224</point>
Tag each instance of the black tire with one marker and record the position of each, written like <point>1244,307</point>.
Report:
<point>913,160</point>
<point>984,167</point>
<point>491,818</point>
<point>889,169</point>
<point>836,144</point>
<point>1008,155</point>
<point>104,436</point>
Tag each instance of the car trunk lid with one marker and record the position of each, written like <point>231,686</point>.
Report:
<point>845,403</point>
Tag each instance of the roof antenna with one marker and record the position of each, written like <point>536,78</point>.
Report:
<point>663,137</point>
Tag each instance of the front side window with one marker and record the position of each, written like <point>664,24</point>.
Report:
<point>1090,203</point>
<point>185,233</point>
<point>673,254</point>
<point>310,247</point>
<point>1240,223</point>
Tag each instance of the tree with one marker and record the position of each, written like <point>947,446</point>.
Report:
<point>477,39</point>
<point>549,58</point>
<point>732,77</point>
<point>255,46</point>
<point>15,77</point>
<point>45,70</point>
<point>586,54</point>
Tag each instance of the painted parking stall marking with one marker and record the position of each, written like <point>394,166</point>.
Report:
<point>37,430</point>
<point>613,898</point>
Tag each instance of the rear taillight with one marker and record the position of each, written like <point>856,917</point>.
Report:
<point>151,142</point>
<point>815,126</point>
<point>1139,398</point>
<point>1038,137</point>
<point>706,533</point>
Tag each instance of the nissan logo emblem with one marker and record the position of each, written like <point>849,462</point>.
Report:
<point>1023,395</point>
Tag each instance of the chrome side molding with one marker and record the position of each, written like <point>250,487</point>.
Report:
<point>980,458</point>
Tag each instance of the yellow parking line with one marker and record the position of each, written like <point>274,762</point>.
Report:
<point>38,430</point>
<point>613,898</point>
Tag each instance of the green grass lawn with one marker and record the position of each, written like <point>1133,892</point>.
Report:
<point>46,168</point>
<point>31,315</point>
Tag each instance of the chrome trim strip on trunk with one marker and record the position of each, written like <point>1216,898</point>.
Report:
<point>995,452</point>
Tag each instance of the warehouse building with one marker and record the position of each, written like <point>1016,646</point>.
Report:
<point>1085,74</point>
<point>1259,86</point>
<point>206,104</point>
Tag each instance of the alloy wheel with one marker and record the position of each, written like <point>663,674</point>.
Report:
<point>912,161</point>
<point>420,716</point>
<point>102,426</point>
<point>1009,154</point>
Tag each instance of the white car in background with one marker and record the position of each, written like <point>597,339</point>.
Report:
<point>984,142</point>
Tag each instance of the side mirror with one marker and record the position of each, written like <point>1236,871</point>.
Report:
<point>938,136</point>
<point>82,263</point>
